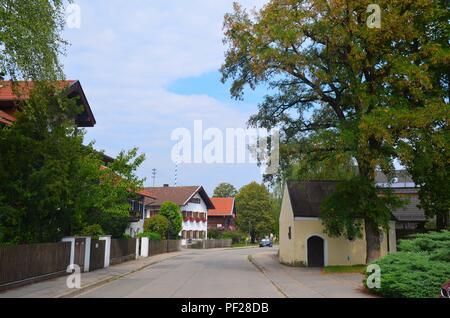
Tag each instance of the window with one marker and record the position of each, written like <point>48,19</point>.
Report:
<point>195,200</point>
<point>290,233</point>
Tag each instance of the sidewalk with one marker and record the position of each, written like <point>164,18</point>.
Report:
<point>296,282</point>
<point>57,288</point>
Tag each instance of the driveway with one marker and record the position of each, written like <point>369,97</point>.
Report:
<point>295,282</point>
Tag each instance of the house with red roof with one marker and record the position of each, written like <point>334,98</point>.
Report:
<point>194,204</point>
<point>13,93</point>
<point>223,216</point>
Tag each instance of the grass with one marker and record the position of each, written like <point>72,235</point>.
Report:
<point>244,245</point>
<point>345,269</point>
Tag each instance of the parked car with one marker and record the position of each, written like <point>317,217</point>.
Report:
<point>265,243</point>
<point>445,291</point>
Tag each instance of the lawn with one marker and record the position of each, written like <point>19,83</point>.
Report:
<point>345,269</point>
<point>244,245</point>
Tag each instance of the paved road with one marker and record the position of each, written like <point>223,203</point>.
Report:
<point>195,274</point>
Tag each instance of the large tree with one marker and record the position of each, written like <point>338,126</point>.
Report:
<point>255,211</point>
<point>30,41</point>
<point>51,184</point>
<point>330,78</point>
<point>225,190</point>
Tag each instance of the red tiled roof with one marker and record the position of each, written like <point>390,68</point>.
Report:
<point>224,207</point>
<point>22,88</point>
<point>146,193</point>
<point>10,92</point>
<point>178,195</point>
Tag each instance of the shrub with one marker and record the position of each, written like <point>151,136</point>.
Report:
<point>94,230</point>
<point>151,235</point>
<point>172,213</point>
<point>420,268</point>
<point>214,234</point>
<point>235,236</point>
<point>157,224</point>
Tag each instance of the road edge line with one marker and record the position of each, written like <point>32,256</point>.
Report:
<point>252,260</point>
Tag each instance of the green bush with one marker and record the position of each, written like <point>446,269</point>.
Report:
<point>420,268</point>
<point>214,234</point>
<point>94,230</point>
<point>237,237</point>
<point>172,213</point>
<point>157,224</point>
<point>151,235</point>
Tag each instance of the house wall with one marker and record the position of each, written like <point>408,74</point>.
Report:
<point>134,228</point>
<point>287,246</point>
<point>338,251</point>
<point>193,207</point>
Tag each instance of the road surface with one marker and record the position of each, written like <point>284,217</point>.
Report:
<point>195,274</point>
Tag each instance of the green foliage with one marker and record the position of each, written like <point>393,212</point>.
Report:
<point>151,235</point>
<point>29,39</point>
<point>172,213</point>
<point>126,237</point>
<point>58,188</point>
<point>225,190</point>
<point>338,89</point>
<point>94,230</point>
<point>436,245</point>
<point>355,200</point>
<point>254,207</point>
<point>411,275</point>
<point>420,268</point>
<point>427,158</point>
<point>157,224</point>
<point>236,237</point>
<point>214,233</point>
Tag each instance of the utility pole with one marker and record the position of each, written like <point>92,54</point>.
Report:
<point>154,171</point>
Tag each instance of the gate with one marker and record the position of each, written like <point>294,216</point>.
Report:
<point>97,255</point>
<point>80,249</point>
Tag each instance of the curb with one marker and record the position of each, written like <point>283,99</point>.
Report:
<point>252,260</point>
<point>105,281</point>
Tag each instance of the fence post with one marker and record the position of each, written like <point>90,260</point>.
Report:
<point>138,241</point>
<point>144,246</point>
<point>71,240</point>
<point>87,253</point>
<point>107,239</point>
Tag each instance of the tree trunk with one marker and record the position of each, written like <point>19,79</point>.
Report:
<point>373,242</point>
<point>373,239</point>
<point>442,221</point>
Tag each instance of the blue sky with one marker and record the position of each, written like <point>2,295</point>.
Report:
<point>149,67</point>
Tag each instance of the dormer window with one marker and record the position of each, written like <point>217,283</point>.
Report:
<point>195,201</point>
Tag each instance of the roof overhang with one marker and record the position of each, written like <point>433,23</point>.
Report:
<point>201,191</point>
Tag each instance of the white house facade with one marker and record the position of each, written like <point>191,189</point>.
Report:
<point>194,203</point>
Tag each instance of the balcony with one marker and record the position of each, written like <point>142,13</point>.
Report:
<point>135,216</point>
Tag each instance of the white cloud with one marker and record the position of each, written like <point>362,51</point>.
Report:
<point>127,52</point>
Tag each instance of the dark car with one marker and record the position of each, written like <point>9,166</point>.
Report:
<point>265,243</point>
<point>445,291</point>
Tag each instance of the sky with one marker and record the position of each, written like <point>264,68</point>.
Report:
<point>150,67</point>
